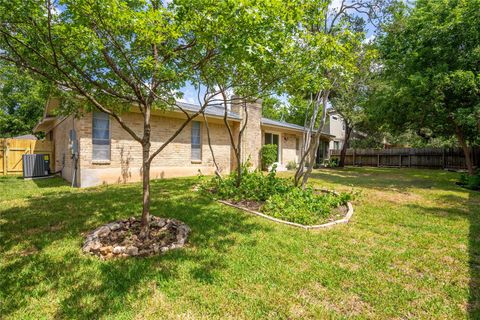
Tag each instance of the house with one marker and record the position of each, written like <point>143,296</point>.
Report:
<point>335,126</point>
<point>93,149</point>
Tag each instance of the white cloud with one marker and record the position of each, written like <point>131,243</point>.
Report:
<point>187,100</point>
<point>369,39</point>
<point>334,5</point>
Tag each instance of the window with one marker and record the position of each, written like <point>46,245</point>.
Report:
<point>196,141</point>
<point>336,145</point>
<point>297,143</point>
<point>271,138</point>
<point>100,136</point>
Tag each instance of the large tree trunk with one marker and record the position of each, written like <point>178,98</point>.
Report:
<point>466,150</point>
<point>343,153</point>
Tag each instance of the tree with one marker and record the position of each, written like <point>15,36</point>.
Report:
<point>350,96</point>
<point>22,100</point>
<point>250,66</point>
<point>325,57</point>
<point>430,71</point>
<point>119,55</point>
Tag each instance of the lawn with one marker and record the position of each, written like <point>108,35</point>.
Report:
<point>412,250</point>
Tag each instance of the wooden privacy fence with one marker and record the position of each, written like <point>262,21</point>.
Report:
<point>11,151</point>
<point>451,158</point>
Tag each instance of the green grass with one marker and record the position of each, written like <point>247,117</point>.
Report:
<point>412,250</point>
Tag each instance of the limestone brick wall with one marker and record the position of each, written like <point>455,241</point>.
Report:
<point>288,148</point>
<point>126,154</point>
<point>60,135</point>
<point>252,137</point>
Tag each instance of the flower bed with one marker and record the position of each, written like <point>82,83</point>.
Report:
<point>279,198</point>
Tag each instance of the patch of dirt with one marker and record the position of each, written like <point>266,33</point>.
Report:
<point>122,238</point>
<point>248,204</point>
<point>335,214</point>
<point>338,213</point>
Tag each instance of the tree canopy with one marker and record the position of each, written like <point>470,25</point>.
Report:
<point>22,99</point>
<point>430,70</point>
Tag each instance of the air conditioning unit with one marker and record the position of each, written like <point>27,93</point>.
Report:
<point>36,165</point>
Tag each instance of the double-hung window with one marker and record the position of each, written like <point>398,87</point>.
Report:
<point>196,142</point>
<point>100,136</point>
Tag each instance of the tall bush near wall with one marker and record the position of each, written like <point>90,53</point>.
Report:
<point>268,154</point>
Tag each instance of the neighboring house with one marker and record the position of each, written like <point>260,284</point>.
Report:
<point>335,126</point>
<point>25,137</point>
<point>105,153</point>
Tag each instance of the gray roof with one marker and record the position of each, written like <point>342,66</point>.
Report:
<point>214,110</point>
<point>217,110</point>
<point>26,137</point>
<point>283,124</point>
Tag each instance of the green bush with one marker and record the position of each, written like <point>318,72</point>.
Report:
<point>268,154</point>
<point>255,186</point>
<point>331,163</point>
<point>291,165</point>
<point>303,206</point>
<point>280,197</point>
<point>470,182</point>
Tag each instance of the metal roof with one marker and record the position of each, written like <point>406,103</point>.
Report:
<point>217,111</point>
<point>283,124</point>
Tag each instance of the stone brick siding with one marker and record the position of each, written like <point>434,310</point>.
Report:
<point>252,136</point>
<point>61,139</point>
<point>126,154</point>
<point>288,148</point>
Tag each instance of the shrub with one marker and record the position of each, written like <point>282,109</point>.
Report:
<point>282,199</point>
<point>268,154</point>
<point>470,182</point>
<point>255,186</point>
<point>303,206</point>
<point>331,163</point>
<point>291,165</point>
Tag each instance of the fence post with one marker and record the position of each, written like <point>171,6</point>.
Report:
<point>443,158</point>
<point>400,161</point>
<point>4,154</point>
<point>354,157</point>
<point>378,160</point>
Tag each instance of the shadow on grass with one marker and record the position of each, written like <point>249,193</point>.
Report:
<point>45,235</point>
<point>403,179</point>
<point>465,208</point>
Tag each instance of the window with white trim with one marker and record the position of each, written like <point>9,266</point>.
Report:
<point>196,141</point>
<point>100,136</point>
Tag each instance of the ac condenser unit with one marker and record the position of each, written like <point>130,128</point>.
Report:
<point>36,165</point>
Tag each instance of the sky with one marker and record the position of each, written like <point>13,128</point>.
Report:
<point>190,93</point>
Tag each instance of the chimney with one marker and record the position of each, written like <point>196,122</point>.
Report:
<point>252,135</point>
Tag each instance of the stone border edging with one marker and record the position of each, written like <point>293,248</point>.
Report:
<point>344,220</point>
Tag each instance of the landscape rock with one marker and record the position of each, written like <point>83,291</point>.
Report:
<point>120,239</point>
<point>132,251</point>
<point>119,249</point>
